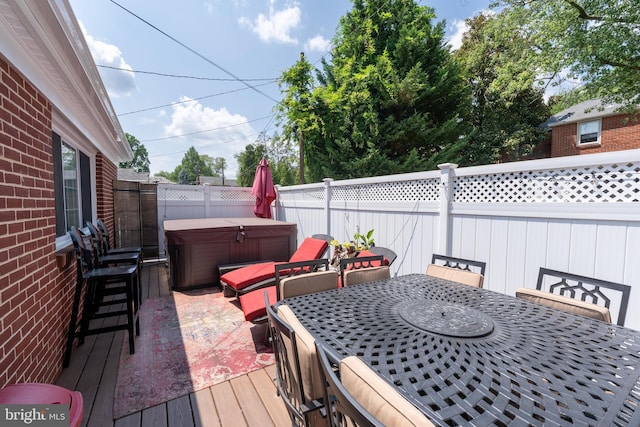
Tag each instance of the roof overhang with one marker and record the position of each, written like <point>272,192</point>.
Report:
<point>43,40</point>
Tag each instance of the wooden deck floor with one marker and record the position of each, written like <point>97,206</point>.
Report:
<point>248,400</point>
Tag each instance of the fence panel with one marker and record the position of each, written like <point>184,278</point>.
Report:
<point>579,214</point>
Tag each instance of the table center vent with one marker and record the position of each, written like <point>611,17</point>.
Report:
<point>448,319</point>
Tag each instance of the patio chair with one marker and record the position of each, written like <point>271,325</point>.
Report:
<point>567,304</point>
<point>262,274</point>
<point>364,260</point>
<point>118,282</point>
<point>290,279</point>
<point>106,259</point>
<point>341,407</point>
<point>102,246</point>
<point>595,291</point>
<point>377,396</point>
<point>298,378</point>
<point>457,270</point>
<point>388,254</point>
<point>107,241</point>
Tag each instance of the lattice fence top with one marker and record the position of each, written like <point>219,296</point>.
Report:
<point>197,193</point>
<point>316,194</point>
<point>396,191</point>
<point>602,183</point>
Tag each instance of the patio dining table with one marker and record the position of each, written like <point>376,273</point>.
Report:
<point>469,356</point>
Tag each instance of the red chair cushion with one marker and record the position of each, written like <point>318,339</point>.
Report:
<point>366,253</point>
<point>252,303</point>
<point>242,277</point>
<point>309,249</point>
<point>245,276</point>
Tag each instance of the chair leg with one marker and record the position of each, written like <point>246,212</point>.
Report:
<point>73,323</point>
<point>131,307</point>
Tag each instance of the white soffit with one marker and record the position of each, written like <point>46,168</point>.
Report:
<point>43,40</point>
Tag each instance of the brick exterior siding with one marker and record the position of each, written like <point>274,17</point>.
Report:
<point>106,173</point>
<point>35,295</point>
<point>616,135</point>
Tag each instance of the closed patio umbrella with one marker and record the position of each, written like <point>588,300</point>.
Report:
<point>263,189</point>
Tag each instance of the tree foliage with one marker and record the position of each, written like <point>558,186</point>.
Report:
<point>140,161</point>
<point>191,167</point>
<point>247,162</point>
<point>386,103</point>
<point>505,114</point>
<point>281,156</point>
<point>592,41</point>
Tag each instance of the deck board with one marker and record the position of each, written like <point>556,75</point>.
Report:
<point>204,409</point>
<point>249,400</point>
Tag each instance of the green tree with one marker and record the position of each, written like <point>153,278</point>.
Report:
<point>386,103</point>
<point>247,162</point>
<point>191,167</point>
<point>504,117</point>
<point>140,161</point>
<point>593,41</point>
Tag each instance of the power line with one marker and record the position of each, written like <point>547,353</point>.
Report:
<point>196,53</point>
<point>190,100</point>
<point>206,130</point>
<point>182,76</point>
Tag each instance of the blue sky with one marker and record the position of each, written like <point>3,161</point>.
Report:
<point>219,41</point>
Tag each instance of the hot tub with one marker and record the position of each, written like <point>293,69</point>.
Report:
<point>195,247</point>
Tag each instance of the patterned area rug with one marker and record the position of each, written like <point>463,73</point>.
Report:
<point>189,341</point>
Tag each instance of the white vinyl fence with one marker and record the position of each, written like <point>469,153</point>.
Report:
<point>579,214</point>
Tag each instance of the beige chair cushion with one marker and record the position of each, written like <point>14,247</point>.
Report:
<point>377,396</point>
<point>570,305</point>
<point>456,275</point>
<point>309,365</point>
<point>364,275</point>
<point>308,283</point>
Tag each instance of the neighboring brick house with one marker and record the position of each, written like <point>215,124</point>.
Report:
<point>588,128</point>
<point>60,143</point>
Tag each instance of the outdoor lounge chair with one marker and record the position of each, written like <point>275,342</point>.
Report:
<point>291,279</point>
<point>262,274</point>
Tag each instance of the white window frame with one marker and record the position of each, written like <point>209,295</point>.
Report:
<point>579,133</point>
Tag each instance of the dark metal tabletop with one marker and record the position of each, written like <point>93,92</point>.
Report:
<point>468,356</point>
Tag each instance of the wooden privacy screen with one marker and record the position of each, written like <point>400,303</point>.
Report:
<point>136,216</point>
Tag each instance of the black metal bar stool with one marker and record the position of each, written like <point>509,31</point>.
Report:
<point>117,281</point>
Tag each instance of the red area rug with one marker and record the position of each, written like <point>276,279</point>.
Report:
<point>189,341</point>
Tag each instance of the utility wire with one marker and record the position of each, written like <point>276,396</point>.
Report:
<point>196,53</point>
<point>190,100</point>
<point>182,76</point>
<point>204,131</point>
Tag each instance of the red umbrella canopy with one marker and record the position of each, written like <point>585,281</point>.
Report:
<point>263,189</point>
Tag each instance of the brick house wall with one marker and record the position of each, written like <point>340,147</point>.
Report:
<point>106,173</point>
<point>616,134</point>
<point>35,294</point>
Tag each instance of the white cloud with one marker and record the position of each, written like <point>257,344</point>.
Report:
<point>459,28</point>
<point>217,133</point>
<point>210,5</point>
<point>317,44</point>
<point>276,27</point>
<point>117,82</point>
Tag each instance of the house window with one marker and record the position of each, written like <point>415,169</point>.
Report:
<point>589,132</point>
<point>72,180</point>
